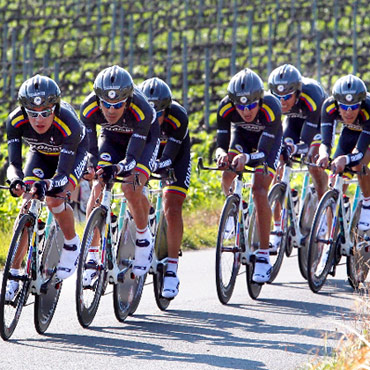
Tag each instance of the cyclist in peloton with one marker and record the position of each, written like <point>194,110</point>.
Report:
<point>301,100</point>
<point>55,162</point>
<point>349,104</point>
<point>249,132</point>
<point>128,143</point>
<point>174,152</point>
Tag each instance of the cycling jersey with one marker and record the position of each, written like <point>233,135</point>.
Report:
<point>302,122</point>
<point>360,128</point>
<point>263,133</point>
<point>175,146</point>
<point>135,123</point>
<point>66,139</point>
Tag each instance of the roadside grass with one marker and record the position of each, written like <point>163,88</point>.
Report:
<point>353,349</point>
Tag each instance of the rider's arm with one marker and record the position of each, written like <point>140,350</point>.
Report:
<point>362,146</point>
<point>14,136</point>
<point>224,112</point>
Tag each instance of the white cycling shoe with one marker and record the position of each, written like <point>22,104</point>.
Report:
<point>89,274</point>
<point>143,256</point>
<point>275,241</point>
<point>12,287</point>
<point>262,268</point>
<point>170,285</point>
<point>68,261</point>
<point>364,221</point>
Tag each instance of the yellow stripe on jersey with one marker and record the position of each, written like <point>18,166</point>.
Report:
<point>366,114</point>
<point>89,108</point>
<point>330,108</point>
<point>269,111</point>
<point>310,101</point>
<point>174,120</point>
<point>138,111</point>
<point>225,108</point>
<point>63,125</point>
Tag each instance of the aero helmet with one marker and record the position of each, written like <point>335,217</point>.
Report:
<point>113,84</point>
<point>245,87</point>
<point>285,80</point>
<point>157,92</point>
<point>39,92</point>
<point>349,90</point>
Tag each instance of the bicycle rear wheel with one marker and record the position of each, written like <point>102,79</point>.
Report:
<point>321,247</point>
<point>228,249</point>
<point>305,223</point>
<point>358,260</point>
<point>127,292</point>
<point>46,302</point>
<point>10,311</point>
<point>88,297</point>
<point>161,252</point>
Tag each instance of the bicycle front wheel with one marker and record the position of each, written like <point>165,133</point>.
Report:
<point>161,252</point>
<point>128,290</point>
<point>10,310</point>
<point>46,302</point>
<point>88,296</point>
<point>305,222</point>
<point>321,245</point>
<point>227,249</point>
<point>358,260</point>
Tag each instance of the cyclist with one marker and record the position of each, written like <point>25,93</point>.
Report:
<point>55,162</point>
<point>301,100</point>
<point>349,104</point>
<point>174,152</point>
<point>249,132</point>
<point>128,143</point>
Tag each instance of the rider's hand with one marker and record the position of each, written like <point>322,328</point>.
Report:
<point>39,189</point>
<point>161,167</point>
<point>286,152</point>
<point>89,175</point>
<point>239,161</point>
<point>339,163</point>
<point>107,172</point>
<point>323,161</point>
<point>126,167</point>
<point>222,161</point>
<point>17,188</point>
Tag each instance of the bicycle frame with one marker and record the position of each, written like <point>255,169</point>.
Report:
<point>297,237</point>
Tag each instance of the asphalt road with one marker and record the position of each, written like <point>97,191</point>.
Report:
<point>285,328</point>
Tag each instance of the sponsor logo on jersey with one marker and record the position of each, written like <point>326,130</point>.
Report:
<point>38,172</point>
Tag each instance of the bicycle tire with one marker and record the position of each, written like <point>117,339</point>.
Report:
<point>320,249</point>
<point>358,260</point>
<point>227,250</point>
<point>46,302</point>
<point>128,290</point>
<point>277,194</point>
<point>305,222</point>
<point>10,311</point>
<point>88,298</point>
<point>161,252</point>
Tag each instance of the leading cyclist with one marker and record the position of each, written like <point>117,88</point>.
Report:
<point>56,160</point>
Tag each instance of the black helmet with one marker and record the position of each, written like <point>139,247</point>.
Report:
<point>349,90</point>
<point>245,87</point>
<point>39,92</point>
<point>157,92</point>
<point>113,84</point>
<point>285,80</point>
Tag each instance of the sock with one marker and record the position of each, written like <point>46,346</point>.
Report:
<point>143,233</point>
<point>93,253</point>
<point>277,225</point>
<point>172,264</point>
<point>366,202</point>
<point>15,271</point>
<point>73,241</point>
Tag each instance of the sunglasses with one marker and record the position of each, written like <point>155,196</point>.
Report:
<point>284,97</point>
<point>44,113</point>
<point>247,106</point>
<point>160,113</point>
<point>117,105</point>
<point>349,107</point>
